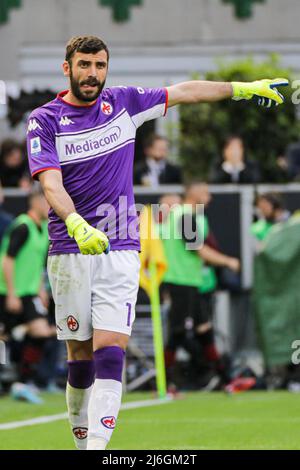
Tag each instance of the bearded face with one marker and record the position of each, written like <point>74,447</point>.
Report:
<point>86,90</point>
<point>87,74</point>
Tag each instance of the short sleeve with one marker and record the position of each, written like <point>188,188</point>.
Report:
<point>17,239</point>
<point>42,154</point>
<point>144,104</point>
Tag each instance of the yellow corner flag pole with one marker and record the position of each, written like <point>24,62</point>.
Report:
<point>157,333</point>
<point>153,266</point>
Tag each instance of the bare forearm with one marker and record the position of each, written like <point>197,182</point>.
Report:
<point>197,91</point>
<point>8,273</point>
<point>213,257</point>
<point>60,202</point>
<point>56,195</point>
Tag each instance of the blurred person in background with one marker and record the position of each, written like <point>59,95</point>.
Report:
<point>234,167</point>
<point>13,166</point>
<point>167,202</point>
<point>23,300</point>
<point>156,169</point>
<point>293,161</point>
<point>279,172</point>
<point>5,218</point>
<point>207,289</point>
<point>190,324</point>
<point>270,210</point>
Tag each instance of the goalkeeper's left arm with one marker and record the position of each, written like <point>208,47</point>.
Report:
<point>264,92</point>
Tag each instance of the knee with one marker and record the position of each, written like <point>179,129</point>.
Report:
<point>39,329</point>
<point>80,350</point>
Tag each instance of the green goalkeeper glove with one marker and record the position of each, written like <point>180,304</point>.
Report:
<point>264,92</point>
<point>90,240</point>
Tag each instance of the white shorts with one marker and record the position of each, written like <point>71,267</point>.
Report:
<point>94,292</point>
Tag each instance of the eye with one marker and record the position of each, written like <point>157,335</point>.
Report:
<point>101,66</point>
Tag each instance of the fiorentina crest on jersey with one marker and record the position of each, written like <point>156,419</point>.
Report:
<point>80,433</point>
<point>106,108</point>
<point>109,422</point>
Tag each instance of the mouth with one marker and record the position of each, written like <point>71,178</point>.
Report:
<point>88,87</point>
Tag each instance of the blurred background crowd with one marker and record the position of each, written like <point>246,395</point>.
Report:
<point>212,324</point>
<point>231,309</point>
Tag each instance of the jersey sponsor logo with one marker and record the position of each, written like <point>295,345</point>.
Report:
<point>35,145</point>
<point>109,422</point>
<point>106,108</point>
<point>80,433</point>
<point>72,323</point>
<point>65,121</point>
<point>95,142</point>
<point>33,125</point>
<point>111,136</point>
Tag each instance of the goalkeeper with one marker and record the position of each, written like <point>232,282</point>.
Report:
<point>81,148</point>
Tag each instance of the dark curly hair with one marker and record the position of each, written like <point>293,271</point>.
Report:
<point>85,44</point>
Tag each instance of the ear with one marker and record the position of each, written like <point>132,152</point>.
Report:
<point>66,68</point>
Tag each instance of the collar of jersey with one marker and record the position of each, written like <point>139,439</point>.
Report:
<point>61,95</point>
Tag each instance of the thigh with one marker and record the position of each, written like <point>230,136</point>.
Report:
<point>102,339</point>
<point>70,280</point>
<point>2,313</point>
<point>182,300</point>
<point>8,320</point>
<point>203,309</point>
<point>33,309</point>
<point>114,291</point>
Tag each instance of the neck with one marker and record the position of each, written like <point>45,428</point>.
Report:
<point>71,98</point>
<point>155,160</point>
<point>35,217</point>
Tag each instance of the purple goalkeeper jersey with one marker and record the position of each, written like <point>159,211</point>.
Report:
<point>93,147</point>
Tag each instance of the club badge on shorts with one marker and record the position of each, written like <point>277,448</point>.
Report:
<point>80,433</point>
<point>109,422</point>
<point>72,323</point>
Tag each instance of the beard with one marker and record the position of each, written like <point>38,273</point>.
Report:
<point>86,95</point>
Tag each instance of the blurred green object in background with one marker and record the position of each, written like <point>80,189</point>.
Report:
<point>5,6</point>
<point>243,8</point>
<point>276,292</point>
<point>121,8</point>
<point>266,132</point>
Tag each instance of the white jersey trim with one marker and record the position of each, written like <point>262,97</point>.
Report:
<point>151,113</point>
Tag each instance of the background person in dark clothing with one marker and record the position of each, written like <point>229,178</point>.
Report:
<point>293,161</point>
<point>5,218</point>
<point>156,170</point>
<point>234,168</point>
<point>13,166</point>
<point>184,236</point>
<point>23,300</point>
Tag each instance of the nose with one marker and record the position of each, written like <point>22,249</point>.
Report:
<point>93,71</point>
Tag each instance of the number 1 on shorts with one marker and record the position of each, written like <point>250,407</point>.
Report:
<point>128,305</point>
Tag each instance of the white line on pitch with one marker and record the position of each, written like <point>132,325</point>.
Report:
<point>63,416</point>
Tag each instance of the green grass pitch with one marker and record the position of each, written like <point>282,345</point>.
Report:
<point>251,420</point>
